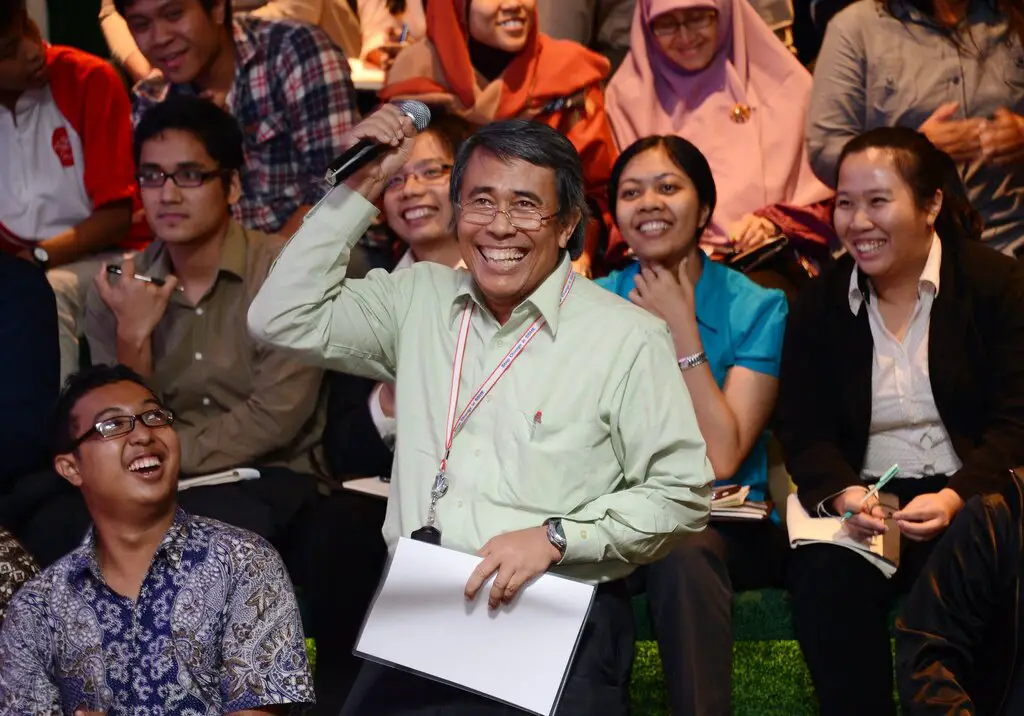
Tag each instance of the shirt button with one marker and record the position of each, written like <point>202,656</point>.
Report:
<point>199,311</point>
<point>583,534</point>
<point>206,401</point>
<point>459,504</point>
<point>476,453</point>
<point>199,356</point>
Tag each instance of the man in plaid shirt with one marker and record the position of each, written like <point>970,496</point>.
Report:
<point>287,85</point>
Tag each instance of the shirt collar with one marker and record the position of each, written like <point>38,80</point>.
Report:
<point>247,50</point>
<point>406,261</point>
<point>860,287</point>
<point>171,547</point>
<point>233,254</point>
<point>546,299</point>
<point>705,293</point>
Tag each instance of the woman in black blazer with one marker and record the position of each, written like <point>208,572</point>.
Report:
<point>911,351</point>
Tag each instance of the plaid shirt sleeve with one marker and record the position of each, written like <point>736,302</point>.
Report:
<point>322,102</point>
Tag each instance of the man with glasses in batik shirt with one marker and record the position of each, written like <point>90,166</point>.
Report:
<point>157,611</point>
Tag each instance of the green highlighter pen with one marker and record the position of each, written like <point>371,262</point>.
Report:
<point>889,474</point>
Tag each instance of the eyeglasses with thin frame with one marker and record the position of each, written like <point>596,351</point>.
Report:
<point>482,214</point>
<point>183,178</point>
<point>694,21</point>
<point>431,174</point>
<point>119,425</point>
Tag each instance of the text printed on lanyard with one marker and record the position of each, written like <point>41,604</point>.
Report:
<point>454,425</point>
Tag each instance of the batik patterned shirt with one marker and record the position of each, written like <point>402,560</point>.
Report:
<point>215,629</point>
<point>16,568</point>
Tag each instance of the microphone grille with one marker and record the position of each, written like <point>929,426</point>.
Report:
<point>418,112</point>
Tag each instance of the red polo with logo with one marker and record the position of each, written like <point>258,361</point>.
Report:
<point>67,149</point>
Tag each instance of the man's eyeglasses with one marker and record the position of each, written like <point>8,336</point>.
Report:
<point>522,219</point>
<point>183,178</point>
<point>693,21</point>
<point>431,174</point>
<point>123,424</point>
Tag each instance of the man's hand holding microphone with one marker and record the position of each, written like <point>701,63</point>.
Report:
<point>379,146</point>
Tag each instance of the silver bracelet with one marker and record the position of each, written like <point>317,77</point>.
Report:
<point>692,361</point>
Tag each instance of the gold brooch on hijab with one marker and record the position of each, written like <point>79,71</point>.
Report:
<point>740,114</point>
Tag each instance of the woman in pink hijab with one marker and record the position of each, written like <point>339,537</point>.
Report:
<point>712,72</point>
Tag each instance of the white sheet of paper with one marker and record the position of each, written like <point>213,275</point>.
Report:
<point>518,654</point>
<point>364,78</point>
<point>373,486</point>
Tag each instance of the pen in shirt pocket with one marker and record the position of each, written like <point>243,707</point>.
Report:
<point>533,425</point>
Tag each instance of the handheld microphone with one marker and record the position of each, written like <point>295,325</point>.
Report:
<point>367,150</point>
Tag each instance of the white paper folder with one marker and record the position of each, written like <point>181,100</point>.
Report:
<point>518,654</point>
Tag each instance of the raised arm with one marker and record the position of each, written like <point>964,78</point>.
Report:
<point>306,306</point>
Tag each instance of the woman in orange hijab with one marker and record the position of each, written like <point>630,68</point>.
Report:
<point>485,60</point>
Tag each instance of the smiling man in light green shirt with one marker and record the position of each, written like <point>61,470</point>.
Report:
<point>590,424</point>
<point>590,428</point>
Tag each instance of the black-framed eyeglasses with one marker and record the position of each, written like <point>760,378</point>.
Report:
<point>522,219</point>
<point>123,424</point>
<point>693,21</point>
<point>431,174</point>
<point>183,178</point>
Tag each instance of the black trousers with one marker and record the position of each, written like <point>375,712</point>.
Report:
<point>841,607</point>
<point>598,683</point>
<point>690,595</point>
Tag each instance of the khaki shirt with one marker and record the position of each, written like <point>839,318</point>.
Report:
<point>236,403</point>
<point>590,424</point>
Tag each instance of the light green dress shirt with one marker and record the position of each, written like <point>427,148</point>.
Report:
<point>591,423</point>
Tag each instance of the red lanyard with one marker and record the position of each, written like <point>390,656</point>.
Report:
<point>453,426</point>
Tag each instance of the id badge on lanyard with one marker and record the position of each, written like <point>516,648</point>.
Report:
<point>429,532</point>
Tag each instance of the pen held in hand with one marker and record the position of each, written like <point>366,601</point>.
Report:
<point>156,281</point>
<point>875,489</point>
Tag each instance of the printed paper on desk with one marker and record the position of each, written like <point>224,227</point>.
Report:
<point>519,654</point>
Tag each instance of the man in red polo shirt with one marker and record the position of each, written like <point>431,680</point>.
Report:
<point>66,174</point>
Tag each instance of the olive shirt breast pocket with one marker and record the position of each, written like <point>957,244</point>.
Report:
<point>559,456</point>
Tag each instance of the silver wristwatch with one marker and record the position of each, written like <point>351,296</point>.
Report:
<point>692,361</point>
<point>556,535</point>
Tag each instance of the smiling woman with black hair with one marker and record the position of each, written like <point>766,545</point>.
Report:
<point>909,351</point>
<point>727,334</point>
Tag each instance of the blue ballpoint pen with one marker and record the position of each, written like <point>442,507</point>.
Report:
<point>889,474</point>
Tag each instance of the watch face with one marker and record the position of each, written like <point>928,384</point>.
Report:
<point>40,254</point>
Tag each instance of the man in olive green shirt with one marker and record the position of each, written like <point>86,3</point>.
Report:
<point>589,429</point>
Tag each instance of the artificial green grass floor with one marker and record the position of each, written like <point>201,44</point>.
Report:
<point>769,679</point>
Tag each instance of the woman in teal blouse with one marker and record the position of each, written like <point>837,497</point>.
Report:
<point>728,336</point>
